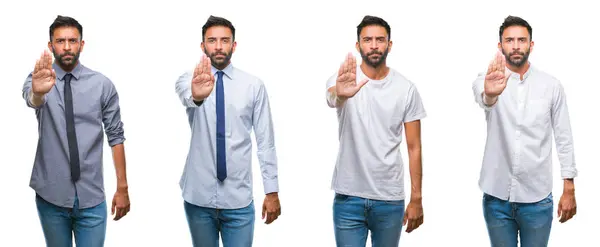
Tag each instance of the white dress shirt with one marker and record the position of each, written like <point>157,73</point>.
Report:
<point>517,163</point>
<point>246,108</point>
<point>369,162</point>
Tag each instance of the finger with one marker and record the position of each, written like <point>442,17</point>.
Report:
<point>353,65</point>
<point>206,64</point>
<point>341,69</point>
<point>114,205</point>
<point>348,63</point>
<point>362,83</point>
<point>563,216</point>
<point>558,209</point>
<point>405,219</point>
<point>410,226</point>
<point>490,67</point>
<point>270,218</point>
<point>53,74</point>
<point>49,60</point>
<point>264,211</point>
<point>119,214</point>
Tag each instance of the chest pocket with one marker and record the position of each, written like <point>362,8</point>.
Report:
<point>538,113</point>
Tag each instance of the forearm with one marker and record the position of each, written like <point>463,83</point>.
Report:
<point>416,171</point>
<point>35,100</point>
<point>333,100</point>
<point>489,100</point>
<point>120,166</point>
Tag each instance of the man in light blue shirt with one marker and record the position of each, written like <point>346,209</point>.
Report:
<point>217,179</point>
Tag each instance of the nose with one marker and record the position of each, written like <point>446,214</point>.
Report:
<point>374,46</point>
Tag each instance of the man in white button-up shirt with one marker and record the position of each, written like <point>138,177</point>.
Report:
<point>523,107</point>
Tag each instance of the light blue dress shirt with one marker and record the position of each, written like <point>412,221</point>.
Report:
<point>246,109</point>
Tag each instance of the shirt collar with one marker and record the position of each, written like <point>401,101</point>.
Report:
<point>60,73</point>
<point>228,71</point>
<point>525,76</point>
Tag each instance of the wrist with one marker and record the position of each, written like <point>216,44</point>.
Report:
<point>272,194</point>
<point>489,99</point>
<point>569,186</point>
<point>416,197</point>
<point>122,187</point>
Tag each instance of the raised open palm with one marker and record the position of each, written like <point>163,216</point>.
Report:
<point>43,77</point>
<point>203,80</point>
<point>345,84</point>
<point>496,77</point>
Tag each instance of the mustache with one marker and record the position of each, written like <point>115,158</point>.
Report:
<point>517,53</point>
<point>67,54</point>
<point>374,52</point>
<point>218,53</point>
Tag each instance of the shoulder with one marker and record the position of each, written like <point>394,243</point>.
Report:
<point>545,77</point>
<point>96,77</point>
<point>402,81</point>
<point>242,76</point>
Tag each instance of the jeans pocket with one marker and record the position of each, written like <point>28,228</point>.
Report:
<point>340,198</point>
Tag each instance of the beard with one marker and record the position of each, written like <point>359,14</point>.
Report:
<point>374,62</point>
<point>68,62</point>
<point>516,62</point>
<point>219,63</point>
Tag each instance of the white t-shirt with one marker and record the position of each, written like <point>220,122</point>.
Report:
<point>369,163</point>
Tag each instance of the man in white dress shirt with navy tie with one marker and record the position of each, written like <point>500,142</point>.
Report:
<point>217,179</point>
<point>524,107</point>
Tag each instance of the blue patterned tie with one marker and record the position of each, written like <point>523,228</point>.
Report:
<point>221,158</point>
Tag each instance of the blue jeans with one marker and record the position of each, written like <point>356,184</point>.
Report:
<point>353,217</point>
<point>59,224</point>
<point>235,225</point>
<point>506,220</point>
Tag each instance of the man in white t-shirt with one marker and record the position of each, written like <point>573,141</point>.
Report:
<point>374,104</point>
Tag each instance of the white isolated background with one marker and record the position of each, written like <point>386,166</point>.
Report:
<point>294,47</point>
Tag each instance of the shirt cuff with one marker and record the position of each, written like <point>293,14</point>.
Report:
<point>568,173</point>
<point>271,185</point>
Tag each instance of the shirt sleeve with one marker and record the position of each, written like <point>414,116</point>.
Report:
<point>414,109</point>
<point>331,97</point>
<point>111,115</point>
<point>265,141</point>
<point>27,94</point>
<point>562,133</point>
<point>183,88</point>
<point>478,89</point>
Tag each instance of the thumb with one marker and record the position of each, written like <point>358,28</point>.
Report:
<point>405,218</point>
<point>362,83</point>
<point>559,208</point>
<point>114,204</point>
<point>264,210</point>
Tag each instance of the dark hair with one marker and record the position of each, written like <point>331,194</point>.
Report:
<point>369,20</point>
<point>515,21</point>
<point>217,21</point>
<point>65,21</point>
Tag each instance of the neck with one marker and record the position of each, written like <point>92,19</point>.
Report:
<point>67,68</point>
<point>221,67</point>
<point>520,70</point>
<point>375,73</point>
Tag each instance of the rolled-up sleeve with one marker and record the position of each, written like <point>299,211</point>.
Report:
<point>111,115</point>
<point>265,141</point>
<point>478,89</point>
<point>27,93</point>
<point>183,88</point>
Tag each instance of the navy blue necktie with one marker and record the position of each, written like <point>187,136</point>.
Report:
<point>71,136</point>
<point>221,158</point>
